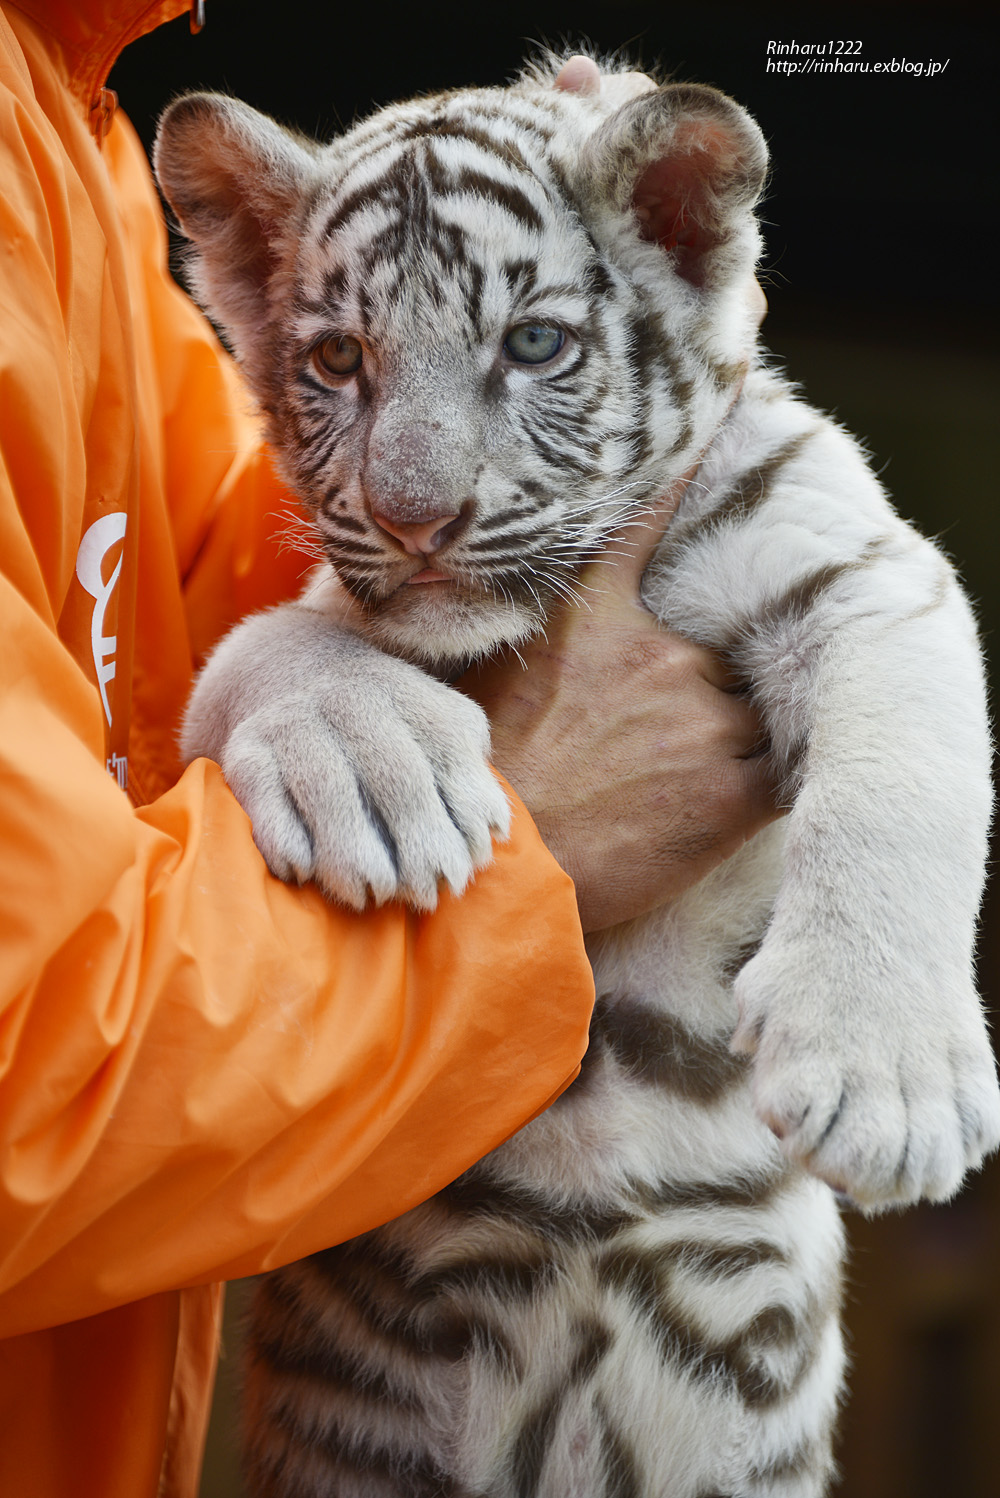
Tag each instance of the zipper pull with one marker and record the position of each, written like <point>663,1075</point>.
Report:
<point>102,112</point>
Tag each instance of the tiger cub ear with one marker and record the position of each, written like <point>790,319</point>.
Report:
<point>690,165</point>
<point>236,182</point>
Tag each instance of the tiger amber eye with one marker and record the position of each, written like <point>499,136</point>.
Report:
<point>338,356</point>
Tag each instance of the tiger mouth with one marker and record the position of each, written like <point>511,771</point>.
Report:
<point>380,593</point>
<point>457,588</point>
<point>428,575</point>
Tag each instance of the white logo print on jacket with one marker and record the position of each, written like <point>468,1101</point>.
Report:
<point>98,540</point>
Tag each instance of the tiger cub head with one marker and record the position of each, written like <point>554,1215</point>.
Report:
<point>485,327</point>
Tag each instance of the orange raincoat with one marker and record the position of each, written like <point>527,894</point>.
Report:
<point>203,1072</point>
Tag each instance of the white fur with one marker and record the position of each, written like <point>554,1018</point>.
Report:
<point>868,1065</point>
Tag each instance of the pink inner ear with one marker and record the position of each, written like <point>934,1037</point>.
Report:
<point>674,197</point>
<point>660,200</point>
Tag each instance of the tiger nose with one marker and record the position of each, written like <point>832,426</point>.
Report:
<point>420,537</point>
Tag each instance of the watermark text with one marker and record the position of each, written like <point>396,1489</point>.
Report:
<point>843,56</point>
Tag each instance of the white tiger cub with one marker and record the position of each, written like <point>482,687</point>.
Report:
<point>486,326</point>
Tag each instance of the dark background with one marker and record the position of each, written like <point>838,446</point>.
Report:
<point>881,228</point>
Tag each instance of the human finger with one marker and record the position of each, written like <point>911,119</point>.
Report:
<point>581,75</point>
<point>717,671</point>
<point>757,300</point>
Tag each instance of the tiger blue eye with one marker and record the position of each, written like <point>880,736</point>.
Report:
<point>533,343</point>
<point>338,356</point>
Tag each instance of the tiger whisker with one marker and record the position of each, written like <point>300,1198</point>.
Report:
<point>296,533</point>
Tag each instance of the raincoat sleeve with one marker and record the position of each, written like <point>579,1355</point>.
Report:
<point>204,1072</point>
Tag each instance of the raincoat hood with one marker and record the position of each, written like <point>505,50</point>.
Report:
<point>90,34</point>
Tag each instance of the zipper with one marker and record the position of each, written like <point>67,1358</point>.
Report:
<point>104,100</point>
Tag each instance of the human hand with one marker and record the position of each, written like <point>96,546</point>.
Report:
<point>639,765</point>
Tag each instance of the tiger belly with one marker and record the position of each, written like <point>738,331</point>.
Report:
<point>647,1336</point>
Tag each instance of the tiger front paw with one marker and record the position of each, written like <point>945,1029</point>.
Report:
<point>357,770</point>
<point>890,1099</point>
